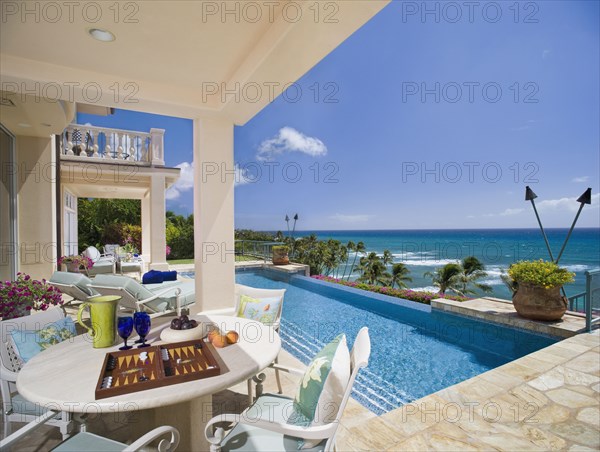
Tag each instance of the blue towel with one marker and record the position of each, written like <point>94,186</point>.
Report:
<point>153,277</point>
<point>170,276</point>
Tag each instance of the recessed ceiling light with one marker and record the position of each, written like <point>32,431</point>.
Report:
<point>101,35</point>
<point>24,124</point>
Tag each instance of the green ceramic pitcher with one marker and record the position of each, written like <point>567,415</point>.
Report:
<point>103,313</point>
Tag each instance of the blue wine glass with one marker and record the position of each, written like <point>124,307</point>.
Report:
<point>141,321</point>
<point>125,328</point>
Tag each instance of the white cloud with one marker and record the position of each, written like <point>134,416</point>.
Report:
<point>360,218</point>
<point>546,53</point>
<point>289,139</point>
<point>570,204</point>
<point>581,179</point>
<point>508,212</point>
<point>241,176</point>
<point>184,183</point>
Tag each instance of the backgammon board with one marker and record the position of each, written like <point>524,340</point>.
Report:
<point>139,369</point>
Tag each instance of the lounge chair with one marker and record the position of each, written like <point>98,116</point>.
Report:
<point>274,321</point>
<point>76,285</point>
<point>270,423</point>
<point>156,299</point>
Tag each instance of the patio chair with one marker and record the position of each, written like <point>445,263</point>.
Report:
<point>83,441</point>
<point>76,285</point>
<point>268,296</point>
<point>269,424</point>
<point>103,263</point>
<point>15,407</point>
<point>156,299</point>
<point>111,249</point>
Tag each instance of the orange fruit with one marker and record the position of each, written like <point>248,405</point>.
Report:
<point>212,333</point>
<point>220,341</point>
<point>232,336</point>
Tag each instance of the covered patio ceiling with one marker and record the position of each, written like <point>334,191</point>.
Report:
<point>179,58</point>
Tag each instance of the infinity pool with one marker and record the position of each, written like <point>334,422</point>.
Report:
<point>415,351</point>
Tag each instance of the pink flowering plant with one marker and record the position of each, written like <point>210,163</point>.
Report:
<point>406,294</point>
<point>19,297</point>
<point>82,262</point>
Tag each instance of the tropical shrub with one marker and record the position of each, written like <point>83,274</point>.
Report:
<point>406,294</point>
<point>541,273</point>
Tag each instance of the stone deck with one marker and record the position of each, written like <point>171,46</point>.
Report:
<point>502,311</point>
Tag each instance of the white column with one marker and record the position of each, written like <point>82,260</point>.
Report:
<point>146,228</point>
<point>213,214</point>
<point>158,241</point>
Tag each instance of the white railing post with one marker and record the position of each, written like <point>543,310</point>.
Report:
<point>157,141</point>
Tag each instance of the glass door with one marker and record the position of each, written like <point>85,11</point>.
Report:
<point>8,206</point>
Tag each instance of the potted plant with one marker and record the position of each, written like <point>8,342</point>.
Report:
<point>280,255</point>
<point>18,298</point>
<point>538,284</point>
<point>75,262</point>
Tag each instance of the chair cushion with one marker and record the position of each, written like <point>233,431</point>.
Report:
<point>263,310</point>
<point>93,253</point>
<point>322,388</point>
<point>27,343</point>
<point>88,441</point>
<point>169,299</point>
<point>249,438</point>
<point>129,284</point>
<point>73,279</point>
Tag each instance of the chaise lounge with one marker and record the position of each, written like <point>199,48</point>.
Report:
<point>156,299</point>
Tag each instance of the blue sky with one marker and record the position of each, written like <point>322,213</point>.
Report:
<point>506,104</point>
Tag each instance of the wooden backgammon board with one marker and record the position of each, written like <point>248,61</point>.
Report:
<point>139,369</point>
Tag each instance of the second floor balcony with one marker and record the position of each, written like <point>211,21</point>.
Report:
<point>105,145</point>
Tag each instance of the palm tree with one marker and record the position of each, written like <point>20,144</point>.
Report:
<point>400,275</point>
<point>350,247</point>
<point>373,270</point>
<point>446,277</point>
<point>472,271</point>
<point>359,249</point>
<point>387,258</point>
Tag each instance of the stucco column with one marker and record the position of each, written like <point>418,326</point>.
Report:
<point>146,228</point>
<point>158,241</point>
<point>213,214</point>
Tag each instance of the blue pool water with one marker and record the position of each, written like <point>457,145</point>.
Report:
<point>415,352</point>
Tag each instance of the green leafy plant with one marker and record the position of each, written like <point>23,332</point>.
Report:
<point>542,273</point>
<point>282,249</point>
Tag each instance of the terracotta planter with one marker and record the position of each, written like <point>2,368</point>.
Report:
<point>280,257</point>
<point>536,303</point>
<point>72,267</point>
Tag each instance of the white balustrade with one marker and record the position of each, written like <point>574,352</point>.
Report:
<point>83,142</point>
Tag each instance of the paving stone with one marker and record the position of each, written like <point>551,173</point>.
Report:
<point>570,398</point>
<point>587,363</point>
<point>590,416</point>
<point>578,432</point>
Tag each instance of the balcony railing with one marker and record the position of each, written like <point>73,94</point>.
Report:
<point>81,142</point>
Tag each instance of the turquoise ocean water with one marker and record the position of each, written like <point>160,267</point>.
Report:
<point>425,250</point>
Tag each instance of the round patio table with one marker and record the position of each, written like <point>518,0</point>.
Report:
<point>64,378</point>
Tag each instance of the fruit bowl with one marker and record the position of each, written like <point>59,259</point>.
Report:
<point>188,333</point>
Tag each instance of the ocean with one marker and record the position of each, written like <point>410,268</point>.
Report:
<point>425,250</point>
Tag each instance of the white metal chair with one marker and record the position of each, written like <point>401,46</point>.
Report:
<point>257,293</point>
<point>85,441</point>
<point>15,407</point>
<point>263,426</point>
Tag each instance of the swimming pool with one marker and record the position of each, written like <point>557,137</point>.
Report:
<point>415,351</point>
